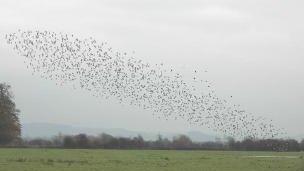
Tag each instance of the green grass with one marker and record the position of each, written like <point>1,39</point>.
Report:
<point>145,160</point>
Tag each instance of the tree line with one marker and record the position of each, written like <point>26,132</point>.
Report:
<point>10,136</point>
<point>181,142</point>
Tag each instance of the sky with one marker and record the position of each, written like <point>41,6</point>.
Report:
<point>252,50</point>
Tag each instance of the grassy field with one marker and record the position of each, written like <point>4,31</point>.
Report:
<point>146,160</point>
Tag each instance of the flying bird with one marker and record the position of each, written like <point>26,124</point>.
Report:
<point>106,73</point>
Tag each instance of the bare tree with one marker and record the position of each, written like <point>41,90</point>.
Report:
<point>182,141</point>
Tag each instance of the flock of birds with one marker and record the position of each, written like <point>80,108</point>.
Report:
<point>96,67</point>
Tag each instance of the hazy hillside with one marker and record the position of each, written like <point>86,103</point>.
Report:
<point>48,130</point>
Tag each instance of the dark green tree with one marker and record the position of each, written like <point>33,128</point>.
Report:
<point>10,128</point>
<point>302,145</point>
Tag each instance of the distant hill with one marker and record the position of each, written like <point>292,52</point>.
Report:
<point>47,130</point>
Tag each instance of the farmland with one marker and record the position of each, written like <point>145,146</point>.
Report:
<point>147,160</point>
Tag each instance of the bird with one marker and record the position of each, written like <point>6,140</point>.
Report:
<point>106,73</point>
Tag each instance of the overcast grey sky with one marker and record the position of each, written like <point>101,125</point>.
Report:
<point>252,50</point>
